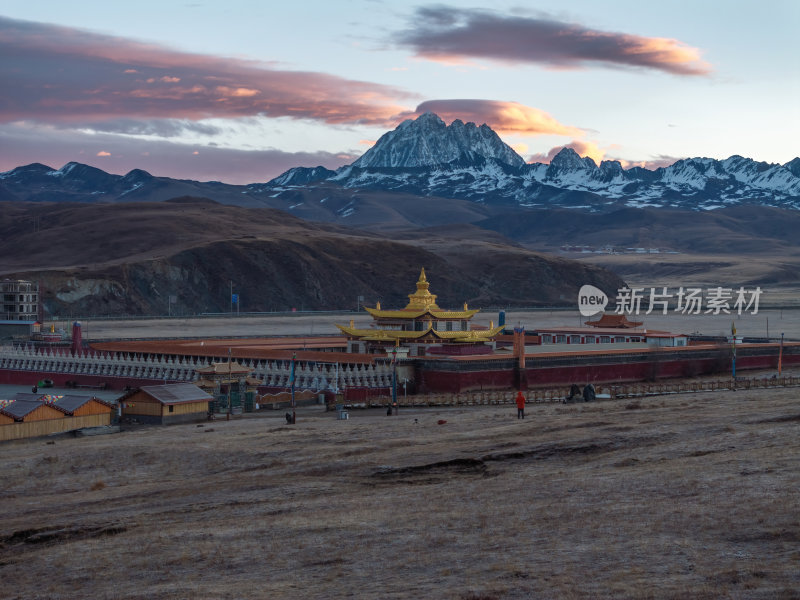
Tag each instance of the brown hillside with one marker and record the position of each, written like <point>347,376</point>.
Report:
<point>129,258</point>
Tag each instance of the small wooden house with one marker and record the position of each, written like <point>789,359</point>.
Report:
<point>165,404</point>
<point>95,411</point>
<point>26,411</point>
<point>25,418</point>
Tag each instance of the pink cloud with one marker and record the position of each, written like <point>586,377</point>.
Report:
<point>502,117</point>
<point>584,149</point>
<point>58,74</point>
<point>593,151</point>
<point>453,36</point>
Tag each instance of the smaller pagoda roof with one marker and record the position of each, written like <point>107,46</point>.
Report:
<point>614,322</point>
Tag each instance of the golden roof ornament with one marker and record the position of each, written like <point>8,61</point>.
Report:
<point>422,299</point>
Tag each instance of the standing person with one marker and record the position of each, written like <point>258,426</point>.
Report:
<point>520,405</point>
<point>588,393</point>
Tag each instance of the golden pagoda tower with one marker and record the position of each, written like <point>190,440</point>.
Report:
<point>418,327</point>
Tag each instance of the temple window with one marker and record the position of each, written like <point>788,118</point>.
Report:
<point>449,326</point>
<point>575,339</point>
<point>619,339</point>
<point>605,339</point>
<point>561,339</point>
<point>590,339</point>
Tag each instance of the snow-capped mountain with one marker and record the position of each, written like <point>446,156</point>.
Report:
<point>302,176</point>
<point>428,158</point>
<point>427,142</point>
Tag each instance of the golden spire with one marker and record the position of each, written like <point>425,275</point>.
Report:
<point>377,305</point>
<point>422,298</point>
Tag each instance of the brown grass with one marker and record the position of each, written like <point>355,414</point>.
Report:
<point>685,497</point>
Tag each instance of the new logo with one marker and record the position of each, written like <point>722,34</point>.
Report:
<point>591,300</point>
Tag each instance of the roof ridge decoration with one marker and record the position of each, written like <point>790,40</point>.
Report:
<point>422,299</point>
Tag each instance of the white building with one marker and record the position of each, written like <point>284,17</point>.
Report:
<point>20,300</point>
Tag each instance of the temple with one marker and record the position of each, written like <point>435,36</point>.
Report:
<point>421,328</point>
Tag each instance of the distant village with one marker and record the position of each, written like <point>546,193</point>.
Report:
<point>608,249</point>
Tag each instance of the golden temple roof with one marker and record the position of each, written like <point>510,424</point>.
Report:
<point>415,314</point>
<point>420,303</point>
<point>380,335</point>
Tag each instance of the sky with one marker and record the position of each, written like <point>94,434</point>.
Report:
<point>241,90</point>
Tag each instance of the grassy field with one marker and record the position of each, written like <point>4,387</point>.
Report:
<point>690,496</point>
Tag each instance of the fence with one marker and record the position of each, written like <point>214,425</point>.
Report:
<point>604,392</point>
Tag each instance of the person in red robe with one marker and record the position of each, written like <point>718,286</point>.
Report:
<point>520,405</point>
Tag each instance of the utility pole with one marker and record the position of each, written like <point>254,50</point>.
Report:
<point>394,380</point>
<point>229,385</point>
<point>291,381</point>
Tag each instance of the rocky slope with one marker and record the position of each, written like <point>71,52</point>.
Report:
<point>130,258</point>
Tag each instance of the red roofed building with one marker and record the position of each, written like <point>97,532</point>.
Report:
<point>614,322</point>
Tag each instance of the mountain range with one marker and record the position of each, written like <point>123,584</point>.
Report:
<point>427,158</point>
<point>453,198</point>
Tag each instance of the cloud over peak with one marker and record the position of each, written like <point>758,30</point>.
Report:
<point>452,35</point>
<point>503,117</point>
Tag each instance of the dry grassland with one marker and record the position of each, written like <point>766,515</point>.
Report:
<point>691,496</point>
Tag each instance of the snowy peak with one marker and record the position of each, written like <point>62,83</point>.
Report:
<point>567,158</point>
<point>427,141</point>
<point>302,176</point>
<point>793,166</point>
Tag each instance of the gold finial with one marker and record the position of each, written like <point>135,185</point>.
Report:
<point>422,275</point>
<point>352,323</point>
<point>378,306</point>
<point>465,306</point>
<point>491,324</point>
